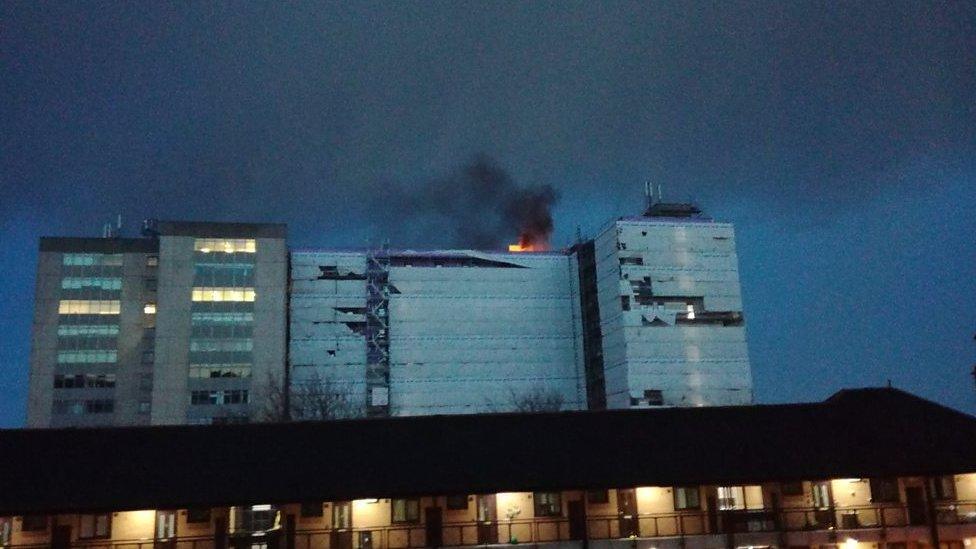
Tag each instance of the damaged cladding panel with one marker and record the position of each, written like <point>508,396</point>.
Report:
<point>671,313</point>
<point>469,332</point>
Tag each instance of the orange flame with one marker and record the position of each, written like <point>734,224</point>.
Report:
<point>524,245</point>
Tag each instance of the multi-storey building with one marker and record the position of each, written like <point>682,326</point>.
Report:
<point>648,313</point>
<point>92,343</point>
<point>866,469</point>
<point>221,321</point>
<point>171,328</point>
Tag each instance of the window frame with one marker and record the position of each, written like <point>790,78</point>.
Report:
<point>408,517</point>
<point>35,523</point>
<point>94,518</point>
<point>451,502</point>
<point>696,506</point>
<point>548,508</point>
<point>198,515</point>
<point>598,497</point>
<point>881,490</point>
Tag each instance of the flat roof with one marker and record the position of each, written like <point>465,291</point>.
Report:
<point>855,433</point>
<point>110,245</point>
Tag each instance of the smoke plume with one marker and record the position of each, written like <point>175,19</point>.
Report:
<point>482,207</point>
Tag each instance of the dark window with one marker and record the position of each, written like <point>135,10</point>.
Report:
<point>95,526</point>
<point>456,503</point>
<point>198,515</point>
<point>598,496</point>
<point>547,504</point>
<point>34,523</point>
<point>791,488</point>
<point>654,397</point>
<point>686,497</point>
<point>884,490</point>
<point>312,509</point>
<point>944,488</point>
<point>625,302</point>
<point>405,510</point>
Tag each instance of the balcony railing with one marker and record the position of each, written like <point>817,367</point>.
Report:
<point>552,529</point>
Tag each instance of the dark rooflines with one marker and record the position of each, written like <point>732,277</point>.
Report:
<point>881,432</point>
<point>98,245</point>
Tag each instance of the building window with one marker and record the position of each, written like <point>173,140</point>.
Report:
<point>95,526</point>
<point>198,515</point>
<point>791,488</point>
<point>456,503</point>
<point>654,397</point>
<point>312,509</point>
<point>404,510</point>
<point>223,294</point>
<point>152,261</point>
<point>87,260</point>
<point>88,307</point>
<point>731,497</point>
<point>230,396</point>
<point>884,490</point>
<point>225,245</point>
<point>548,504</point>
<point>33,523</point>
<point>944,488</point>
<point>87,357</point>
<point>686,497</point>
<point>149,308</point>
<point>145,407</point>
<point>598,496</point>
<point>80,283</point>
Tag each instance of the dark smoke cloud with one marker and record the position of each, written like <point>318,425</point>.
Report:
<point>482,207</point>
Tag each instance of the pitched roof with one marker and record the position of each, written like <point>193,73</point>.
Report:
<point>855,433</point>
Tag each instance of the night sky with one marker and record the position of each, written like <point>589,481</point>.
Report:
<point>839,137</point>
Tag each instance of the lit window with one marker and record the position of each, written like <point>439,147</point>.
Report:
<point>225,245</point>
<point>86,260</point>
<point>88,307</point>
<point>152,261</point>
<point>731,497</point>
<point>223,294</point>
<point>149,309</point>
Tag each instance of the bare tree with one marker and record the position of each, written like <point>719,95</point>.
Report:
<point>313,399</point>
<point>536,399</point>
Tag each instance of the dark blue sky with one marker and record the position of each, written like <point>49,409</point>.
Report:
<point>838,137</point>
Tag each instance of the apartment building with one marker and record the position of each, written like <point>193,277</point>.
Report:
<point>865,469</point>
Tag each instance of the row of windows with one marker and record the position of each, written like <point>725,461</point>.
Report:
<point>79,407</point>
<point>90,526</point>
<point>92,259</point>
<point>88,356</point>
<point>244,344</point>
<point>89,307</point>
<point>213,318</point>
<point>230,274</point>
<point>220,370</point>
<point>229,396</point>
<point>83,381</point>
<point>222,331</point>
<point>223,294</point>
<point>88,330</point>
<point>104,283</point>
<point>225,245</point>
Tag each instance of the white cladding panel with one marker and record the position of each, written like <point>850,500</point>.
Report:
<point>651,271</point>
<point>479,339</point>
<point>463,339</point>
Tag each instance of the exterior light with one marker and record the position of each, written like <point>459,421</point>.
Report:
<point>850,543</point>
<point>265,507</point>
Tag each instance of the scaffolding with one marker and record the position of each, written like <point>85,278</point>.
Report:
<point>377,332</point>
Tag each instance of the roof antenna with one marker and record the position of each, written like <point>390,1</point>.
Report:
<point>648,194</point>
<point>889,384</point>
<point>660,195</point>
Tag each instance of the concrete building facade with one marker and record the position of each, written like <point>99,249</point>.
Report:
<point>93,329</point>
<point>221,322</point>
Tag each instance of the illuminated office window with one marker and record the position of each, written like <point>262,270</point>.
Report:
<point>89,307</point>
<point>149,309</point>
<point>86,330</point>
<point>87,356</point>
<point>225,245</point>
<point>78,283</point>
<point>86,260</point>
<point>223,294</point>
